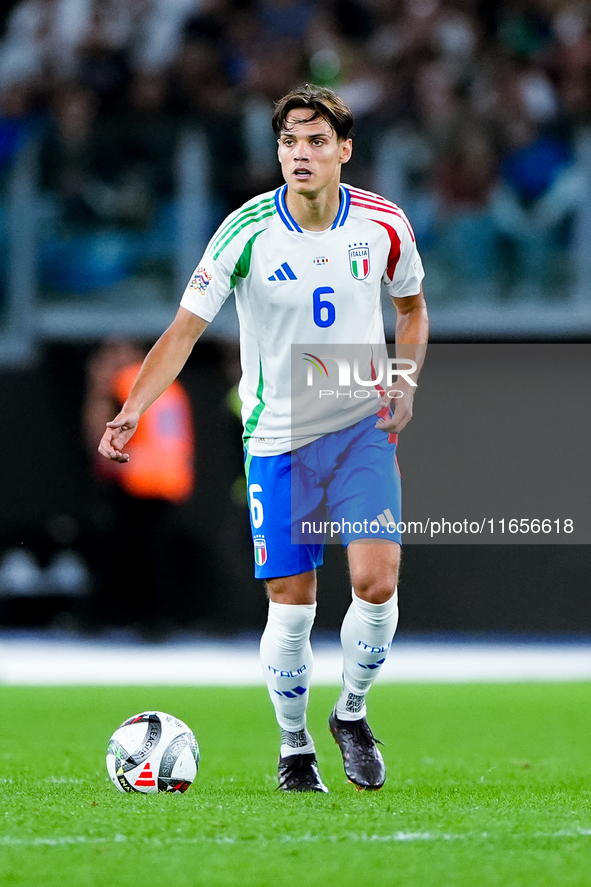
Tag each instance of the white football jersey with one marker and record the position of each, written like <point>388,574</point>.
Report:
<point>294,286</point>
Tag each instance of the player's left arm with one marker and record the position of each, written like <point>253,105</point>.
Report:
<point>412,334</point>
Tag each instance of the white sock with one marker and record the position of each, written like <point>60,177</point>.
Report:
<point>366,636</point>
<point>286,658</point>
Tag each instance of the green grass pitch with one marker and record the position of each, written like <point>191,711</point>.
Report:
<point>487,785</point>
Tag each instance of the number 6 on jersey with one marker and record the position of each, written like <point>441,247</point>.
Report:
<point>321,305</point>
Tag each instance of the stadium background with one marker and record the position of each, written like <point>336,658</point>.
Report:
<point>128,130</point>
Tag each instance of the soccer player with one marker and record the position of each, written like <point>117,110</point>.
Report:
<point>306,264</point>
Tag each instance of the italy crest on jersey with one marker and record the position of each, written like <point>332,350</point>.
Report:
<point>359,261</point>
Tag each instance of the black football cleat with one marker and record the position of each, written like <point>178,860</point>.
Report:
<point>299,773</point>
<point>362,759</point>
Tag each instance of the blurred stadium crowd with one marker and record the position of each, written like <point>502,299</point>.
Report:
<point>467,112</point>
<point>474,116</point>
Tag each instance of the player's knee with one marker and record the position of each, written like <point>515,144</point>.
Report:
<point>377,584</point>
<point>374,571</point>
<point>375,590</point>
<point>300,589</point>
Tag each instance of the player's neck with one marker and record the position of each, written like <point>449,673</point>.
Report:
<point>314,212</point>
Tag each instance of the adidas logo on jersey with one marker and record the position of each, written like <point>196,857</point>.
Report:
<point>283,273</point>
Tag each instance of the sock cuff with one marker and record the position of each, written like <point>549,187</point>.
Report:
<point>293,617</point>
<point>376,612</point>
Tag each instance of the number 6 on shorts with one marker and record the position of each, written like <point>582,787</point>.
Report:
<point>256,506</point>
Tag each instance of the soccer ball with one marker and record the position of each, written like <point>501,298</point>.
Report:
<point>152,752</point>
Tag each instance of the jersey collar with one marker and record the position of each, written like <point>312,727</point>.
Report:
<point>291,224</point>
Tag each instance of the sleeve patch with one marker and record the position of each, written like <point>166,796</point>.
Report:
<point>200,280</point>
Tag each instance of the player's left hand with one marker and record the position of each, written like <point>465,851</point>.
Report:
<point>396,410</point>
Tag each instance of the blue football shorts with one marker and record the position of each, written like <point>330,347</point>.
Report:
<point>344,485</point>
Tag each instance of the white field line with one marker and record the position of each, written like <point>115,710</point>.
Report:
<point>227,663</point>
<point>399,837</point>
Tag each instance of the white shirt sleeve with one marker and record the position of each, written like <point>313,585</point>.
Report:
<point>210,285</point>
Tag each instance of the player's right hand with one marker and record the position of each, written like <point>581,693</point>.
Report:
<point>116,436</point>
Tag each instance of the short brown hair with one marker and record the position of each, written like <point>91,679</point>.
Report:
<point>323,101</point>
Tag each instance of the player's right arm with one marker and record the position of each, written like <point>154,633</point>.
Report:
<point>159,369</point>
<point>226,259</point>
